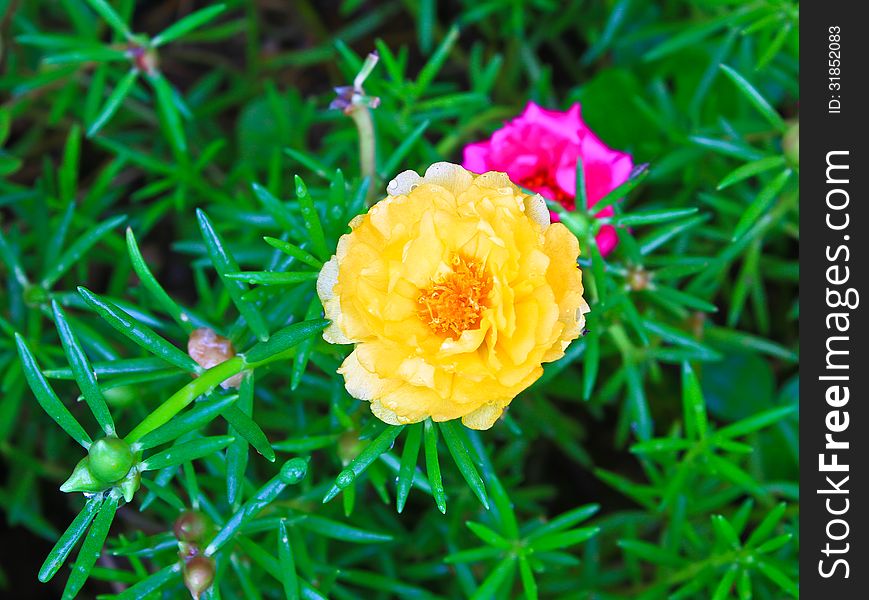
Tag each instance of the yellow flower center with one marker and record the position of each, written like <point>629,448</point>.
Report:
<point>454,302</point>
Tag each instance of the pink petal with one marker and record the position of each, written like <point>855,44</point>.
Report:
<point>607,238</point>
<point>475,157</point>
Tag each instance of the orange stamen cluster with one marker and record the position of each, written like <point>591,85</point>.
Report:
<point>455,301</point>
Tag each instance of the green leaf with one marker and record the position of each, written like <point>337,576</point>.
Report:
<point>271,278</point>
<point>529,585</point>
<point>184,26</point>
<point>647,217</point>
<point>139,333</point>
<point>651,553</point>
<point>565,520</point>
<point>339,531</point>
<point>557,541</point>
<point>151,584</point>
<point>755,422</point>
<point>488,536</point>
<point>661,445</point>
<point>295,252</point>
<point>767,526</point>
<point>203,384</point>
<point>490,586</point>
<point>312,219</point>
<point>724,532</point>
<point>224,263</point>
<point>237,454</point>
<point>755,98</point>
<point>103,9</point>
<point>773,544</point>
<point>113,103</point>
<point>750,170</point>
<point>69,538</point>
<point>283,340</point>
<point>289,579</point>
<point>280,213</point>
<point>67,175</point>
<point>722,591</point>
<point>363,460</point>
<point>734,474</point>
<point>764,199</point>
<point>184,452</point>
<point>456,446</point>
<point>46,397</point>
<point>406,471</point>
<point>432,465</point>
<point>434,64</point>
<point>11,260</point>
<point>171,117</point>
<point>83,372</point>
<point>154,288</point>
<point>637,176</point>
<point>306,347</point>
<point>74,253</point>
<point>292,472</point>
<point>394,161</point>
<point>775,575</point>
<point>91,548</point>
<point>192,420</point>
<point>693,404</point>
<point>250,431</point>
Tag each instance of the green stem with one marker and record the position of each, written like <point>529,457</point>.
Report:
<point>361,116</point>
<point>206,382</point>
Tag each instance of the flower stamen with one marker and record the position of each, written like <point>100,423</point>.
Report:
<point>455,301</point>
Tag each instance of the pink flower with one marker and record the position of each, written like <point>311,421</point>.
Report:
<point>539,150</point>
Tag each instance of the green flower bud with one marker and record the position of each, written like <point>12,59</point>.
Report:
<point>82,479</point>
<point>198,575</point>
<point>110,459</point>
<point>294,470</point>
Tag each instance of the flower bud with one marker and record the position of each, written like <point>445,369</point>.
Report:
<point>294,470</point>
<point>190,526</point>
<point>198,575</point>
<point>349,446</point>
<point>110,459</point>
<point>209,350</point>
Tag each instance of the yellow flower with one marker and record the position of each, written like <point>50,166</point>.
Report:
<point>454,289</point>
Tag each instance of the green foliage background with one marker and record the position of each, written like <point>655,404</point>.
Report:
<point>657,460</point>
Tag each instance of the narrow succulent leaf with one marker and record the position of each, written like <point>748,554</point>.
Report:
<point>432,465</point>
<point>189,23</point>
<point>312,219</point>
<point>456,445</point>
<point>185,452</point>
<point>91,548</point>
<point>74,253</point>
<point>114,102</point>
<point>224,263</point>
<point>192,420</point>
<point>289,578</point>
<point>139,333</point>
<point>146,277</point>
<point>46,397</point>
<point>83,372</point>
<point>407,470</point>
<point>67,541</point>
<point>363,460</point>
